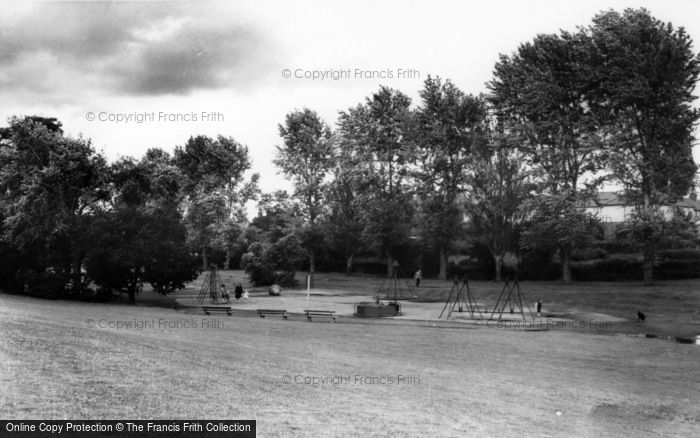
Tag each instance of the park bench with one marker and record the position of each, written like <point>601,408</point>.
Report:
<point>328,313</point>
<point>263,312</point>
<point>212,309</point>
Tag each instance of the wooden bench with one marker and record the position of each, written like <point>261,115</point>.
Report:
<point>328,313</point>
<point>212,309</point>
<point>263,312</point>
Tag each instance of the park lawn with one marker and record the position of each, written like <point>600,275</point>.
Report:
<point>467,381</point>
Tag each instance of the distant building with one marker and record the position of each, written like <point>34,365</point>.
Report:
<point>612,209</point>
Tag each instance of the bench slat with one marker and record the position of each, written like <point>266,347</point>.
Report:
<point>208,309</point>
<point>310,313</point>
<point>263,312</point>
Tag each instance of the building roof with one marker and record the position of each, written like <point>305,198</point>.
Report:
<point>603,199</point>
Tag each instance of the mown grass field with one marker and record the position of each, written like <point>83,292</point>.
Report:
<point>457,381</point>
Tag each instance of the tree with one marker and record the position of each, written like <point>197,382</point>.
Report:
<point>449,125</point>
<point>378,134</point>
<point>275,252</point>
<point>499,185</point>
<point>50,188</point>
<point>140,236</point>
<point>305,158</point>
<point>543,90</point>
<point>137,245</point>
<point>557,223</point>
<point>214,171</point>
<point>343,226</point>
<point>647,73</point>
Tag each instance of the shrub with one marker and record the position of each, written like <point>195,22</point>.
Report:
<point>677,269</point>
<point>589,253</point>
<point>276,263</point>
<point>615,269</point>
<point>537,265</point>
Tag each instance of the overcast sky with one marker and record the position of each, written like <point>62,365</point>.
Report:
<point>156,61</point>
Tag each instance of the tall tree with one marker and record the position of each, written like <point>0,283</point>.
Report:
<point>50,188</point>
<point>274,242</point>
<point>647,72</point>
<point>305,158</point>
<point>544,91</point>
<point>499,185</point>
<point>140,236</point>
<point>378,131</point>
<point>450,125</point>
<point>343,226</point>
<point>214,171</point>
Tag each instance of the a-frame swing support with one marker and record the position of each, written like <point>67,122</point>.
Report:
<point>513,297</point>
<point>394,285</point>
<point>210,286</point>
<point>462,298</point>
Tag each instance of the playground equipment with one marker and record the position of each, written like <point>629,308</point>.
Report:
<point>513,298</point>
<point>393,291</point>
<point>392,288</point>
<point>369,309</point>
<point>210,286</point>
<point>461,297</point>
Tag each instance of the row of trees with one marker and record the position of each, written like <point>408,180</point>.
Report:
<point>70,220</point>
<point>564,114</point>
<point>509,170</point>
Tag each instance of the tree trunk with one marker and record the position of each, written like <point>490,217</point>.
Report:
<point>205,264</point>
<point>132,287</point>
<point>499,267</point>
<point>565,266</point>
<point>77,274</point>
<point>312,260</point>
<point>648,267</point>
<point>389,266</point>
<point>227,260</point>
<point>348,264</point>
<point>442,275</point>
<point>648,263</point>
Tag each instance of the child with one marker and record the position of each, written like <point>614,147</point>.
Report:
<point>224,294</point>
<point>418,276</point>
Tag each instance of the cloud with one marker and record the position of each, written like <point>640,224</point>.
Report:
<point>152,48</point>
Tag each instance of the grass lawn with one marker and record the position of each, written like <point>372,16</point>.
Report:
<point>455,381</point>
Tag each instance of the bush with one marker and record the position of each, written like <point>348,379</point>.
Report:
<point>677,269</point>
<point>45,284</point>
<point>285,279</point>
<point>99,295</point>
<point>276,263</point>
<point>589,253</point>
<point>616,269</point>
<point>537,265</point>
<point>687,254</point>
<point>259,273</point>
<point>617,246</point>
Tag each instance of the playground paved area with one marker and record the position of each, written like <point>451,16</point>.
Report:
<point>297,301</point>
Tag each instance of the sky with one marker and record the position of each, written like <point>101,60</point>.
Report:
<point>136,75</point>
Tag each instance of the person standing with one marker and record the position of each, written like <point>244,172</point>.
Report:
<point>418,276</point>
<point>224,294</point>
<point>238,292</point>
